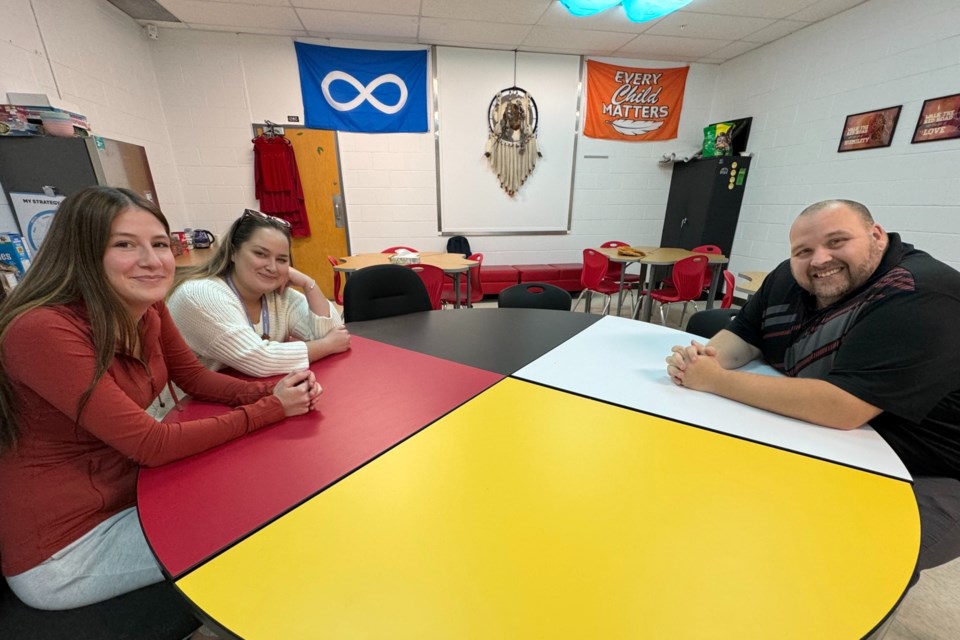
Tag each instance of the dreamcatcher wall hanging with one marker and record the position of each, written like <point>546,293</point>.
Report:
<point>512,135</point>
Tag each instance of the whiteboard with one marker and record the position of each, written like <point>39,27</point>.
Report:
<point>471,200</point>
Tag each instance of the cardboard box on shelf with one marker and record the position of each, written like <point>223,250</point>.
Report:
<point>13,252</point>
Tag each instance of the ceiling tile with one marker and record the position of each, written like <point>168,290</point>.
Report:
<point>734,49</point>
<point>264,31</point>
<point>344,23</point>
<point>274,3</point>
<point>751,8</point>
<point>532,25</point>
<point>825,9</point>
<point>576,38</point>
<point>437,30</point>
<point>227,14</point>
<point>687,24</point>
<point>506,11</point>
<point>394,7</point>
<point>653,46</point>
<point>777,30</point>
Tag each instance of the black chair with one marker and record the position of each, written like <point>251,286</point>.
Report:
<point>534,295</point>
<point>459,244</point>
<point>382,291</point>
<point>157,612</point>
<point>709,322</point>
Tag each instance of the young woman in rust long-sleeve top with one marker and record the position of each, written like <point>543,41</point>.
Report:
<point>87,344</point>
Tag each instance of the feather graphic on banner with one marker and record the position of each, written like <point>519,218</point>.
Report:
<point>635,127</point>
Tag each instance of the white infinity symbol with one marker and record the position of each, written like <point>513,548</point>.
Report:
<point>364,93</point>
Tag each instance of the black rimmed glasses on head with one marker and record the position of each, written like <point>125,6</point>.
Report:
<point>253,213</point>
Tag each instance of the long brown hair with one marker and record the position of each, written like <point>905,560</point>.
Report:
<point>221,264</point>
<point>67,269</point>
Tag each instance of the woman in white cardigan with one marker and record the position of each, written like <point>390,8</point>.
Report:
<point>240,309</point>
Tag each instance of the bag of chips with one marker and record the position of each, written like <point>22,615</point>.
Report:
<point>717,140</point>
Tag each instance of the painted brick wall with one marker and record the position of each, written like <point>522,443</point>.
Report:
<point>799,91</point>
<point>89,57</point>
<point>190,98</point>
<point>619,189</point>
<point>215,84</point>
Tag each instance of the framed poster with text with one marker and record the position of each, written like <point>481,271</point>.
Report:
<point>939,119</point>
<point>869,129</point>
<point>34,212</point>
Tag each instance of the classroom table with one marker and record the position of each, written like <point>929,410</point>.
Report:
<point>665,257</point>
<point>614,256</point>
<point>453,264</point>
<point>751,282</point>
<point>519,473</point>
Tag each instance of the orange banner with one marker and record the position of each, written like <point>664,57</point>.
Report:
<point>636,105</point>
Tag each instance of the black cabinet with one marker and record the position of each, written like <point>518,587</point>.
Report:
<point>704,202</point>
<point>71,164</point>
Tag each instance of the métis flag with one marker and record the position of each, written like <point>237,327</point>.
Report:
<point>363,90</point>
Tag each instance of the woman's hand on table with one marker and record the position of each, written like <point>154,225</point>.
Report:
<point>298,392</point>
<point>337,340</point>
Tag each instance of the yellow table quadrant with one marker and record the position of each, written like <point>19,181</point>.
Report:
<point>531,513</point>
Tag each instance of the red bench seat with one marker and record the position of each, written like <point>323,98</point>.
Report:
<point>495,278</point>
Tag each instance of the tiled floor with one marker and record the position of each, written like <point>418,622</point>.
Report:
<point>931,610</point>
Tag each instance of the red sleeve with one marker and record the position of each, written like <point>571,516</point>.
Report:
<point>51,355</point>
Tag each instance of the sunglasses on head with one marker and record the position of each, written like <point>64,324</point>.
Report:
<point>253,213</point>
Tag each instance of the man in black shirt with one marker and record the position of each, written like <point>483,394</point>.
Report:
<point>867,330</point>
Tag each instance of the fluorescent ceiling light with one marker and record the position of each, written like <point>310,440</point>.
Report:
<point>637,10</point>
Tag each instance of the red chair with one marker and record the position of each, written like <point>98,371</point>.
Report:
<point>394,250</point>
<point>476,289</point>
<point>432,279</point>
<point>708,276</point>
<point>337,292</point>
<point>594,279</point>
<point>728,286</point>
<point>614,269</point>
<point>688,278</point>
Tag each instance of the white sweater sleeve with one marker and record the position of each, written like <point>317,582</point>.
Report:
<point>215,325</point>
<point>302,323</point>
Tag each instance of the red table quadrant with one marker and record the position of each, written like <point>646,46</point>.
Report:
<point>375,395</point>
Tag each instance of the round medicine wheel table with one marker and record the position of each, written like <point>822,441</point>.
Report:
<point>521,473</point>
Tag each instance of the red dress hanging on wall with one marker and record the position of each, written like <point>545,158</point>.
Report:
<point>277,182</point>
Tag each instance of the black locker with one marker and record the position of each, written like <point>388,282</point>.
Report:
<point>704,202</point>
<point>70,164</point>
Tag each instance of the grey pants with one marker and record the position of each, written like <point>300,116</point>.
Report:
<point>111,559</point>
<point>939,502</point>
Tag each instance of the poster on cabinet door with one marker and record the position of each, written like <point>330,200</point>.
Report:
<point>34,213</point>
<point>635,105</point>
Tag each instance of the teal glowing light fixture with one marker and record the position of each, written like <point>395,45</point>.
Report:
<point>637,10</point>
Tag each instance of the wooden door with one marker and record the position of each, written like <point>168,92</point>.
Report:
<point>318,163</point>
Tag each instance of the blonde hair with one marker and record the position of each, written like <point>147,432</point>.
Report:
<point>220,264</point>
